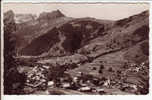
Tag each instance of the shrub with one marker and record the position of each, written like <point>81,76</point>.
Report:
<point>100,71</point>
<point>94,68</point>
<point>110,69</point>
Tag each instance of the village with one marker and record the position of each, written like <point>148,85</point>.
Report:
<point>47,77</point>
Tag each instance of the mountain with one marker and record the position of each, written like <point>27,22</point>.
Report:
<point>54,34</point>
<point>90,35</point>
<point>30,28</point>
<point>132,32</point>
<point>33,27</point>
<point>45,16</point>
<point>9,17</point>
<point>71,36</point>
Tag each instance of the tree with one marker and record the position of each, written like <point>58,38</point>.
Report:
<point>110,69</point>
<point>100,71</point>
<point>101,68</point>
<point>12,78</point>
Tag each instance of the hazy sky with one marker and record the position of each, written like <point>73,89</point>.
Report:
<point>100,11</point>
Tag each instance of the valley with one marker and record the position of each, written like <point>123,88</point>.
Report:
<point>83,56</point>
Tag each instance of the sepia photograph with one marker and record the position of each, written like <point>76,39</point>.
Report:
<point>75,48</point>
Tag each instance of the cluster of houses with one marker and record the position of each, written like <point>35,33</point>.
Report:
<point>37,78</point>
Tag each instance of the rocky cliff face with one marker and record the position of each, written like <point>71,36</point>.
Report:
<point>23,18</point>
<point>9,17</point>
<point>45,16</point>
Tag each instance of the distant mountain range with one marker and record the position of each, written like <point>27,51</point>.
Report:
<point>54,34</point>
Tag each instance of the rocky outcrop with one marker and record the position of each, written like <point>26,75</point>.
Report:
<point>46,16</point>
<point>23,18</point>
<point>9,17</point>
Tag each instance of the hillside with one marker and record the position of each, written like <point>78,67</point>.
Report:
<point>71,36</point>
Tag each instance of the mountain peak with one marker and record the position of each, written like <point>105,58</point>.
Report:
<point>58,11</point>
<point>9,17</point>
<point>9,13</point>
<point>51,15</point>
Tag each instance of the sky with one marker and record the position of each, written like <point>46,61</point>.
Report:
<point>109,11</point>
